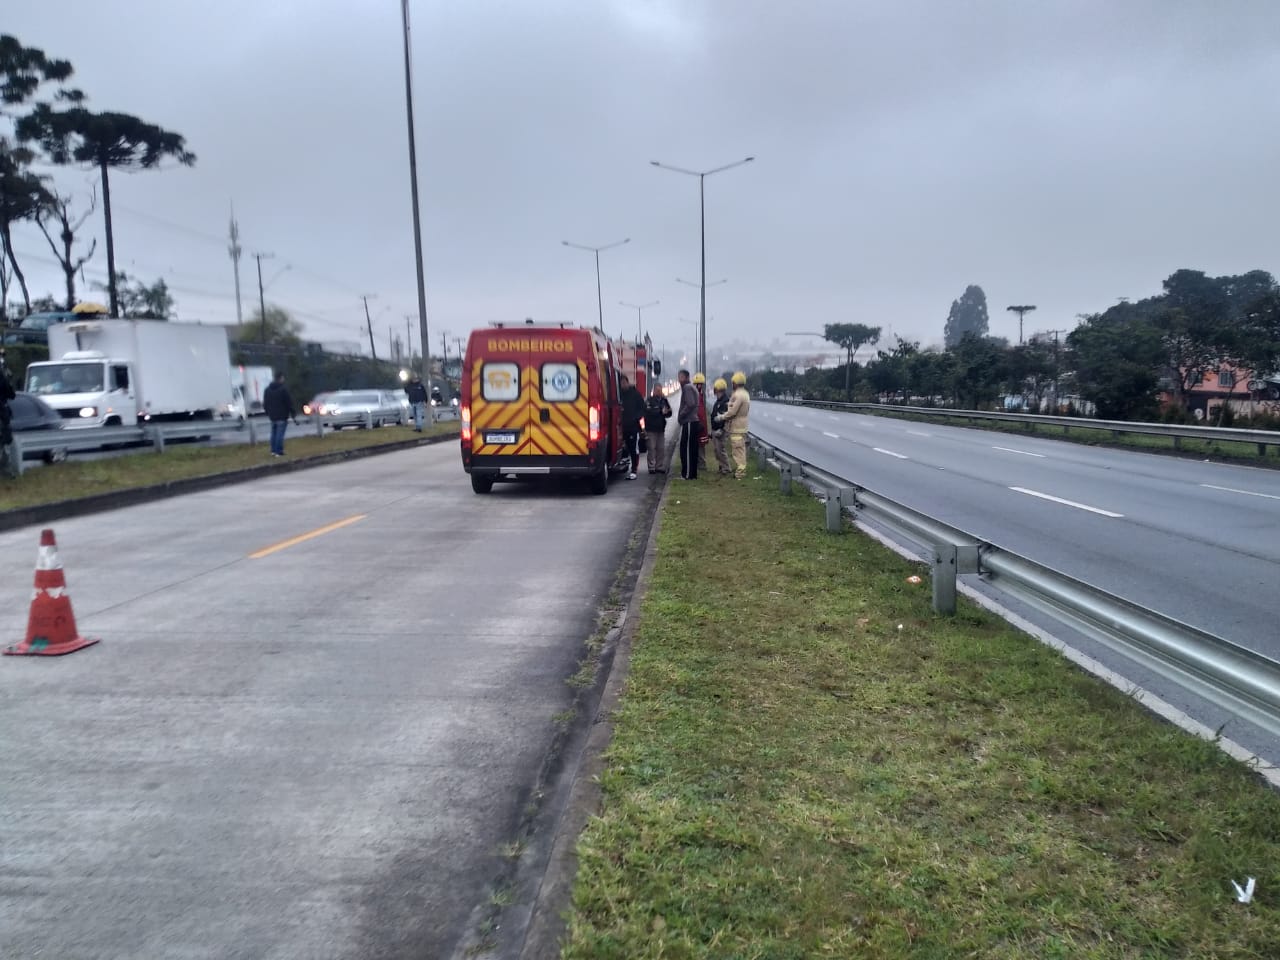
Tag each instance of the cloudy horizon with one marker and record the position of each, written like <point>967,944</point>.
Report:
<point>1064,155</point>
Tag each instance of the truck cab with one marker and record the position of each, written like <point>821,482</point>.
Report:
<point>87,389</point>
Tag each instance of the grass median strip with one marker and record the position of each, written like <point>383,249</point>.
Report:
<point>180,461</point>
<point>808,763</point>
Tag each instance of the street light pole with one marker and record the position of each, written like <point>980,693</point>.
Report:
<point>699,359</point>
<point>638,307</point>
<point>262,297</point>
<point>596,251</point>
<point>423,333</point>
<point>702,212</point>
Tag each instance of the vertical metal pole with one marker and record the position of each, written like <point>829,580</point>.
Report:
<point>944,578</point>
<point>424,332</point>
<point>262,297</point>
<point>599,295</point>
<point>702,287</point>
<point>835,512</point>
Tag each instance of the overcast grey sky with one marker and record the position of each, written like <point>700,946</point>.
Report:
<point>1062,154</point>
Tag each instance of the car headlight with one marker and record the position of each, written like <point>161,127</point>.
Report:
<point>88,411</point>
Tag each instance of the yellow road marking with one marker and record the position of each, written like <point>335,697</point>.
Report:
<point>294,541</point>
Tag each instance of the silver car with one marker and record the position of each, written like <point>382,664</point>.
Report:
<point>361,408</point>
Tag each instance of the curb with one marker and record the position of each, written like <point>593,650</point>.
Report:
<point>100,502</point>
<point>547,923</point>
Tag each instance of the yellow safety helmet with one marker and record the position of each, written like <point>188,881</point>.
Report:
<point>699,378</point>
<point>739,379</point>
<point>720,384</point>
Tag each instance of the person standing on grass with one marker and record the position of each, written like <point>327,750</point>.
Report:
<point>704,427</point>
<point>656,414</point>
<point>736,419</point>
<point>416,392</point>
<point>690,426</point>
<point>632,421</point>
<point>278,406</point>
<point>718,440</point>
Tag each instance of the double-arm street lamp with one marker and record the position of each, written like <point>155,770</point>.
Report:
<point>639,308</point>
<point>702,206</point>
<point>596,251</point>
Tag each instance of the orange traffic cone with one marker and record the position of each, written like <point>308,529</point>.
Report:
<point>51,629</point>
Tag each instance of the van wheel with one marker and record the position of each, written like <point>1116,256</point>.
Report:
<point>481,484</point>
<point>600,482</point>
<point>56,456</point>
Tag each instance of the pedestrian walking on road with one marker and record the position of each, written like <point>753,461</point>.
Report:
<point>690,427</point>
<point>718,438</point>
<point>736,419</point>
<point>278,406</point>
<point>632,421</point>
<point>416,391</point>
<point>656,414</point>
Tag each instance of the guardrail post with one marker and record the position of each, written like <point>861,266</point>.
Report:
<point>16,460</point>
<point>784,477</point>
<point>944,578</point>
<point>1177,443</point>
<point>1262,449</point>
<point>319,426</point>
<point>368,419</point>
<point>253,431</point>
<point>157,438</point>
<point>837,500</point>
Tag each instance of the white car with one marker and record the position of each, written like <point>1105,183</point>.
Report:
<point>361,408</point>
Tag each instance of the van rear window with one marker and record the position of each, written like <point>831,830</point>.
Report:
<point>559,382</point>
<point>501,381</point>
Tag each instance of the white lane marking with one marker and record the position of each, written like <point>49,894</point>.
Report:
<point>798,424</point>
<point>1247,493</point>
<point>833,436</point>
<point>1023,452</point>
<point>917,433</point>
<point>1066,503</point>
<point>833,416</point>
<point>900,456</point>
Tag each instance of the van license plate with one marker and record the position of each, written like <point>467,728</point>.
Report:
<point>500,438</point>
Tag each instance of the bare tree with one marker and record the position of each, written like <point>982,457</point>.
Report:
<point>68,225</point>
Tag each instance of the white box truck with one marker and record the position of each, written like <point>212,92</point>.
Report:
<point>249,384</point>
<point>122,372</point>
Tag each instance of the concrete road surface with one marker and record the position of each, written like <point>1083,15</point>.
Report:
<point>1197,541</point>
<point>317,712</point>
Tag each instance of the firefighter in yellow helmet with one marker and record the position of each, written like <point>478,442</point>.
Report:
<point>735,419</point>
<point>718,439</point>
<point>704,436</point>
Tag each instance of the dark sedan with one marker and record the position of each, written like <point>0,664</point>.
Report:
<point>30,413</point>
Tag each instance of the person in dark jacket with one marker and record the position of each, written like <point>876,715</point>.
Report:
<point>656,414</point>
<point>6,414</point>
<point>416,391</point>
<point>718,439</point>
<point>632,421</point>
<point>690,427</point>
<point>278,406</point>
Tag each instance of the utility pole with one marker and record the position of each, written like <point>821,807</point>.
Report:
<point>424,332</point>
<point>1020,310</point>
<point>262,297</point>
<point>369,324</point>
<point>1056,367</point>
<point>235,251</point>
<point>444,356</point>
<point>408,338</point>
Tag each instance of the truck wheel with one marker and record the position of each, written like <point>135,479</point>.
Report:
<point>481,484</point>
<point>600,482</point>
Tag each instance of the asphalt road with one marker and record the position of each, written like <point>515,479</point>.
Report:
<point>317,712</point>
<point>1195,540</point>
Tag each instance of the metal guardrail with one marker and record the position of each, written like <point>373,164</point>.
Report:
<point>1245,683</point>
<point>76,440</point>
<point>1177,431</point>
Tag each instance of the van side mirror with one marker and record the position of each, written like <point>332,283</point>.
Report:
<point>657,368</point>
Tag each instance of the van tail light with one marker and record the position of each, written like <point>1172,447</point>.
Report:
<point>593,424</point>
<point>466,423</point>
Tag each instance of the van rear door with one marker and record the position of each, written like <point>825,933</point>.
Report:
<point>499,403</point>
